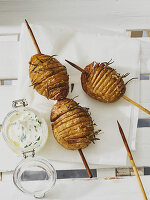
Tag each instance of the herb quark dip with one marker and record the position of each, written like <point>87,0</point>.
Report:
<point>25,129</point>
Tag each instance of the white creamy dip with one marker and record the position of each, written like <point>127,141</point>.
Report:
<point>24,129</point>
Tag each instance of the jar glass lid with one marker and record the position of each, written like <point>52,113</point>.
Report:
<point>35,176</point>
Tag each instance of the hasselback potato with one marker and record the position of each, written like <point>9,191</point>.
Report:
<point>72,125</point>
<point>49,77</point>
<point>102,82</point>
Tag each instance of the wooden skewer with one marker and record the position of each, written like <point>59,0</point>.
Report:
<point>136,104</point>
<point>33,38</point>
<point>76,66</point>
<point>39,52</point>
<point>85,163</point>
<point>125,97</point>
<point>132,161</point>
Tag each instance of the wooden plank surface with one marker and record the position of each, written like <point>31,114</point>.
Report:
<point>9,59</point>
<point>105,189</point>
<point>114,14</point>
<point>7,96</point>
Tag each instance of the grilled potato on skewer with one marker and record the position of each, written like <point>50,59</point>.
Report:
<point>49,77</point>
<point>103,82</point>
<point>72,125</point>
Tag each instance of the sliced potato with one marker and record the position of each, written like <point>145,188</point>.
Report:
<point>102,82</point>
<point>49,77</point>
<point>72,125</point>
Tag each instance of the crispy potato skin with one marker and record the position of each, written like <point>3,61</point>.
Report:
<point>49,77</point>
<point>71,125</point>
<point>102,83</point>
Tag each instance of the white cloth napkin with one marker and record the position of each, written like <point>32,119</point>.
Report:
<point>82,48</point>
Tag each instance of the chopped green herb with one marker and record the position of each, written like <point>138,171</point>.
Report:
<point>39,122</point>
<point>38,138</point>
<point>26,146</point>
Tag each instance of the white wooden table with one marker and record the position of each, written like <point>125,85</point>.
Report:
<point>113,15</point>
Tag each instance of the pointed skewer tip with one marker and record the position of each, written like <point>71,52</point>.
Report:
<point>33,38</point>
<point>120,128</point>
<point>27,24</point>
<point>76,66</point>
<point>118,123</point>
<point>26,21</point>
<point>67,61</point>
<point>70,62</point>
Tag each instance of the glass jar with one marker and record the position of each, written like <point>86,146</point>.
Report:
<point>25,131</point>
<point>35,176</point>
